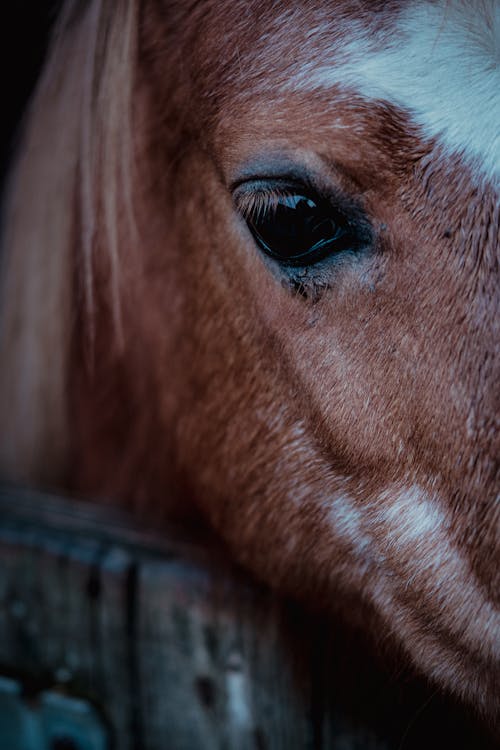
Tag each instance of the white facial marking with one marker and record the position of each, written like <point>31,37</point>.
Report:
<point>442,65</point>
<point>414,525</point>
<point>412,517</point>
<point>347,520</point>
<point>402,538</point>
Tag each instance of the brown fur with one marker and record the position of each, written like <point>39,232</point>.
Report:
<point>200,381</point>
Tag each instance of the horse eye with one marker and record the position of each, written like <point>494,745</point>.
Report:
<point>293,227</point>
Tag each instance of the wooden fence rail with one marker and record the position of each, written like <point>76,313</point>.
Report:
<point>113,637</point>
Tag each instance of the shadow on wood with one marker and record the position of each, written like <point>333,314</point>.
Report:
<point>162,642</point>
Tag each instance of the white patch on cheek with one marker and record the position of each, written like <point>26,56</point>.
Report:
<point>401,539</point>
<point>403,561</point>
<point>411,517</point>
<point>413,526</point>
<point>346,519</point>
<point>442,65</point>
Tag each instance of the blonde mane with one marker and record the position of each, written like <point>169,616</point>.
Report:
<point>73,171</point>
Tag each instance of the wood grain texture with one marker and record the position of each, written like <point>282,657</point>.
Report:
<point>174,647</point>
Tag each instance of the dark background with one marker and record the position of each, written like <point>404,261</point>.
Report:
<point>26,26</point>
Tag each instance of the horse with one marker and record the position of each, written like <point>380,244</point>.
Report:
<point>250,276</point>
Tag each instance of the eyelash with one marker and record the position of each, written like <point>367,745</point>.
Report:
<point>253,204</point>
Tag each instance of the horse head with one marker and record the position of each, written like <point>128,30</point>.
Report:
<point>252,271</point>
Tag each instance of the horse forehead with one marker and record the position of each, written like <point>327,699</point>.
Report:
<point>438,60</point>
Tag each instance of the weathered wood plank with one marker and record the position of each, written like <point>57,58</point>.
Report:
<point>217,649</point>
<point>109,586</point>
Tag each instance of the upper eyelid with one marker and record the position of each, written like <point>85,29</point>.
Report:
<point>270,167</point>
<point>316,170</point>
<point>290,179</point>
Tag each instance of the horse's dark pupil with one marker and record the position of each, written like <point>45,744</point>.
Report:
<point>296,230</point>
